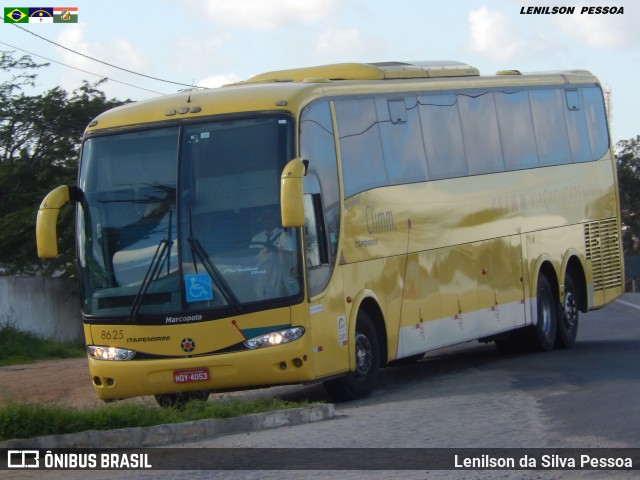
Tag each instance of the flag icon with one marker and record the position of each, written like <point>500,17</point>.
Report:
<point>65,14</point>
<point>41,15</point>
<point>16,15</point>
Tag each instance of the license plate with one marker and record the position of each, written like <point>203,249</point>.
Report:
<point>190,376</point>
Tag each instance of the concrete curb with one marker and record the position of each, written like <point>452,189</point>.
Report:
<point>178,432</point>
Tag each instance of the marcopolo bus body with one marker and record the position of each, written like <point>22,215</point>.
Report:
<point>318,224</point>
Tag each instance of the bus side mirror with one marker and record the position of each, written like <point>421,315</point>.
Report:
<point>291,198</point>
<point>46,231</point>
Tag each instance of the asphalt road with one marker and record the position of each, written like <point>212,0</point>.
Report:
<point>472,397</point>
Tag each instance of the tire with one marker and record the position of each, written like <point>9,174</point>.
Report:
<point>179,400</point>
<point>362,381</point>
<point>569,316</point>
<point>542,335</point>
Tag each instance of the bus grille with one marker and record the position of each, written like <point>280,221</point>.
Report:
<point>602,240</point>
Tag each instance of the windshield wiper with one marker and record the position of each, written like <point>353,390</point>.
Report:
<point>197,250</point>
<point>154,270</point>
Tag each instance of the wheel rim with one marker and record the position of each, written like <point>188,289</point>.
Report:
<point>363,355</point>
<point>570,310</point>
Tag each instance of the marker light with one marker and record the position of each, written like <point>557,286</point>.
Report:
<point>272,339</point>
<point>110,353</point>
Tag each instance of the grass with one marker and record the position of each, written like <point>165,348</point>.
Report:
<point>22,420</point>
<point>18,347</point>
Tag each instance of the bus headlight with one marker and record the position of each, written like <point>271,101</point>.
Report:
<point>110,353</point>
<point>272,339</point>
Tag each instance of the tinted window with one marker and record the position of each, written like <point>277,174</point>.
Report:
<point>480,133</point>
<point>442,135</point>
<point>596,121</point>
<point>402,146</point>
<point>550,126</point>
<point>516,130</point>
<point>322,218</point>
<point>399,140</point>
<point>360,146</point>
<point>577,128</point>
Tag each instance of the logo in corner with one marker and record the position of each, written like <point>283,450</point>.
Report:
<point>188,345</point>
<point>16,15</point>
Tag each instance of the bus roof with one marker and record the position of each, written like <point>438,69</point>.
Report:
<point>290,90</point>
<point>370,71</point>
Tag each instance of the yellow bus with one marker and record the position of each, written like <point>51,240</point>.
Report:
<point>320,223</point>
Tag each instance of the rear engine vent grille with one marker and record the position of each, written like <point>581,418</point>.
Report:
<point>602,240</point>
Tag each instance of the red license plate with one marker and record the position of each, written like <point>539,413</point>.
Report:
<point>190,376</point>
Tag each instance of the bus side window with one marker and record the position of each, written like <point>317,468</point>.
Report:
<point>596,117</point>
<point>441,130</point>
<point>360,145</point>
<point>577,128</point>
<point>315,238</point>
<point>322,194</point>
<point>314,231</point>
<point>550,126</point>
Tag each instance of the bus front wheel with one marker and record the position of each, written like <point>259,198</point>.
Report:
<point>179,400</point>
<point>362,381</point>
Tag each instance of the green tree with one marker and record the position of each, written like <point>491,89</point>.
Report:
<point>628,158</point>
<point>40,137</point>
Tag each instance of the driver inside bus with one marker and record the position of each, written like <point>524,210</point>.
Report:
<point>276,263</point>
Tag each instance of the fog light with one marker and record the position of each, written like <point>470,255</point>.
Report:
<point>272,339</point>
<point>110,353</point>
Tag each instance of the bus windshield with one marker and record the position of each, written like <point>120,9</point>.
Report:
<point>180,220</point>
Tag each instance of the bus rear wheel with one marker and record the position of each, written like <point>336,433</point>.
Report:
<point>542,335</point>
<point>362,381</point>
<point>568,324</point>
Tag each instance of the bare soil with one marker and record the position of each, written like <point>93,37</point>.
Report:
<point>53,382</point>
<point>68,382</point>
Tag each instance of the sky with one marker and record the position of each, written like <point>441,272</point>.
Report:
<point>213,42</point>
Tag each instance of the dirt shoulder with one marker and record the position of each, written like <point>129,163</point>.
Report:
<point>53,382</point>
<point>68,382</point>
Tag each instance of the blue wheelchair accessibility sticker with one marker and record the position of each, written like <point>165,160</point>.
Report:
<point>198,287</point>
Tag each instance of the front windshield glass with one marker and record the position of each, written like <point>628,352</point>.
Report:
<point>186,219</point>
